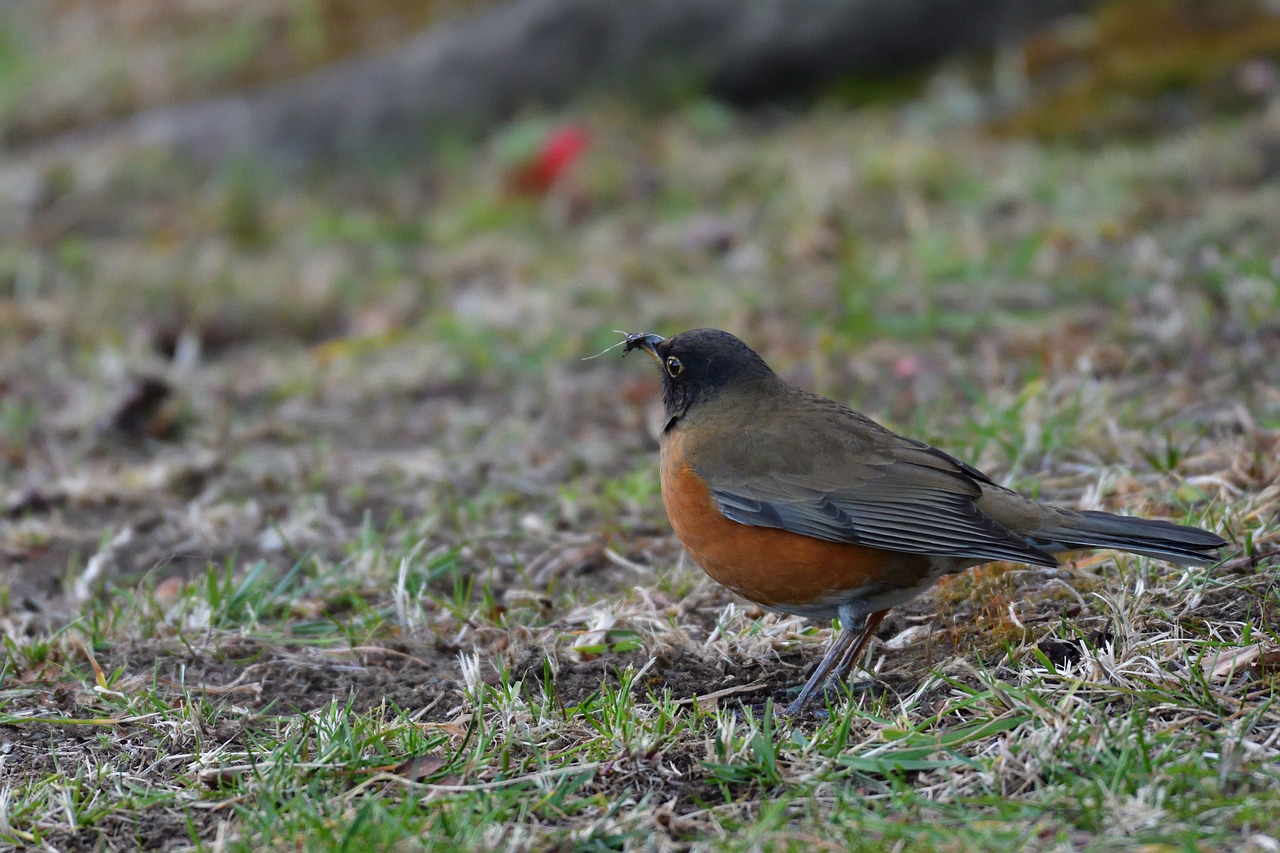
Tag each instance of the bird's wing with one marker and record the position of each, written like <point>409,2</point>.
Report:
<point>866,487</point>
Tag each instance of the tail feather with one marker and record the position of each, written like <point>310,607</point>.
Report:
<point>1162,540</point>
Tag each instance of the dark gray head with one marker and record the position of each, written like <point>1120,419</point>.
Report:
<point>699,365</point>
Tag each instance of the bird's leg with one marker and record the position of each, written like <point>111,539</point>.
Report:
<point>855,651</point>
<point>839,658</point>
<point>838,647</point>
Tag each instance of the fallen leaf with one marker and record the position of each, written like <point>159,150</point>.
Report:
<point>560,150</point>
<point>1228,662</point>
<point>1267,663</point>
<point>218,778</point>
<point>909,637</point>
<point>143,412</point>
<point>420,767</point>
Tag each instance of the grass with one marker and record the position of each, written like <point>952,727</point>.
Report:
<point>1115,748</point>
<point>386,565</point>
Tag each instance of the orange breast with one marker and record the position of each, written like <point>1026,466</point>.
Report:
<point>772,567</point>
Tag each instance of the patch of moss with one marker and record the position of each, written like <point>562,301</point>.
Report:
<point>1140,66</point>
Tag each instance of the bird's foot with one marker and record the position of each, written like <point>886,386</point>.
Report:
<point>834,692</point>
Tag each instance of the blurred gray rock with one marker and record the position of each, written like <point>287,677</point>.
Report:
<point>471,73</point>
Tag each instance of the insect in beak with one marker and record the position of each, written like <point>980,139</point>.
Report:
<point>646,341</point>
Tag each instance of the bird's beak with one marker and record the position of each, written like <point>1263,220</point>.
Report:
<point>646,341</point>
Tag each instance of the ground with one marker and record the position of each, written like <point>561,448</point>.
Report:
<point>320,532</point>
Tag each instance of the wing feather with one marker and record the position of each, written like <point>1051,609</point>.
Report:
<point>900,496</point>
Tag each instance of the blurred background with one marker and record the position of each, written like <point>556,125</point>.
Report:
<point>273,271</point>
<point>299,451</point>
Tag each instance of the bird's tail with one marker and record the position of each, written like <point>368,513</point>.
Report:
<point>1160,539</point>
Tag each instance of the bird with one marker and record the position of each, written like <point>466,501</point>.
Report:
<point>806,507</point>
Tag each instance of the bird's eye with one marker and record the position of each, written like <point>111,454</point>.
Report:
<point>674,366</point>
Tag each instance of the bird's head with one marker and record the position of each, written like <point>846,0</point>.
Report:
<point>699,365</point>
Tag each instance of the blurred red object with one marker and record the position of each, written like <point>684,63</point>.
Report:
<point>560,150</point>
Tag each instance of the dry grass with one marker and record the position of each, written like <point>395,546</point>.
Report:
<point>376,559</point>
